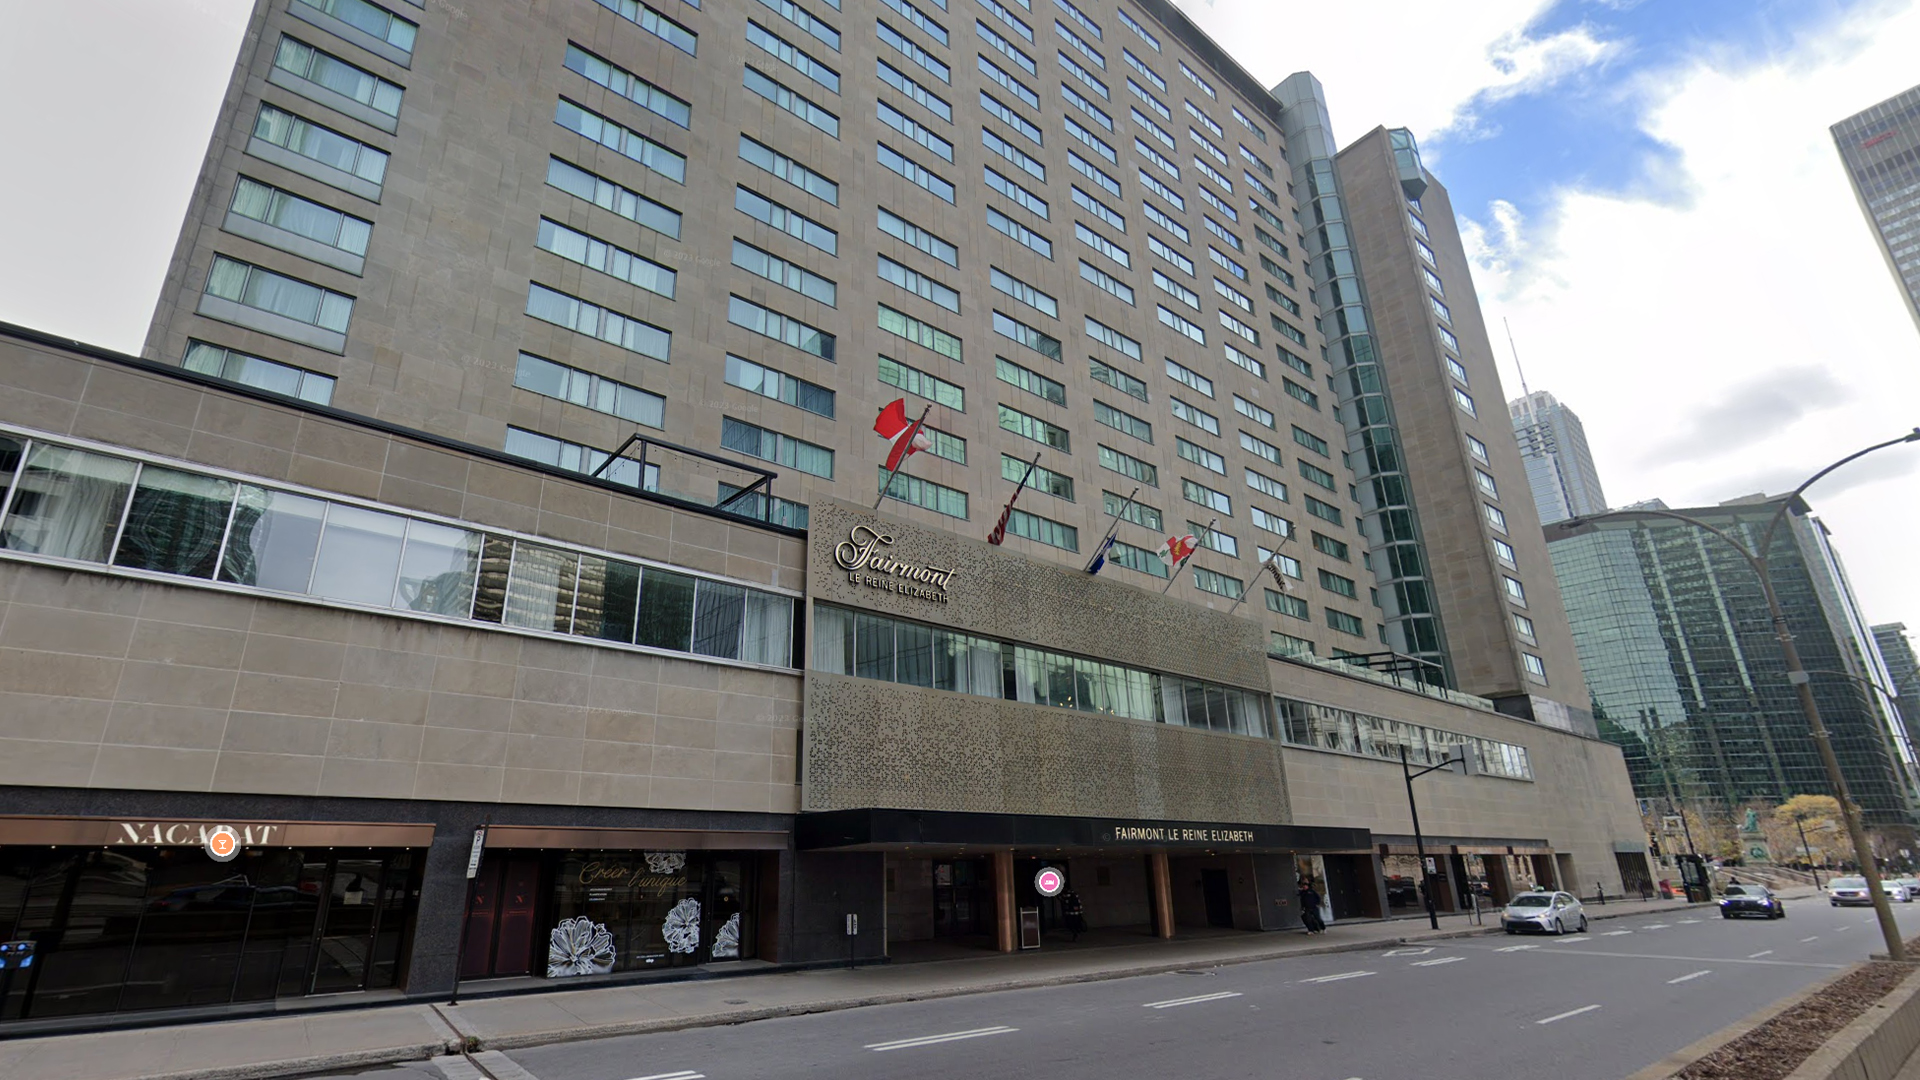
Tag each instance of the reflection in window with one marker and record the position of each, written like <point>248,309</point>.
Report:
<point>359,555</point>
<point>666,610</point>
<point>540,588</point>
<point>273,541</point>
<point>717,613</point>
<point>67,504</point>
<point>175,523</point>
<point>437,569</point>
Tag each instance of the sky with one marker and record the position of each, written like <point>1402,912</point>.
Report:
<point>1648,190</point>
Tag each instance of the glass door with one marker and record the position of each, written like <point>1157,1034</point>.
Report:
<point>728,927</point>
<point>349,918</point>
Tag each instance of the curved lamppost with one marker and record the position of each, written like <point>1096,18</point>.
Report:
<point>1796,672</point>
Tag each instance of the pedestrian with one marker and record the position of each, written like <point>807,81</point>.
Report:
<point>1076,914</point>
<point>1733,879</point>
<point>1310,908</point>
<point>1646,889</point>
<point>1600,891</point>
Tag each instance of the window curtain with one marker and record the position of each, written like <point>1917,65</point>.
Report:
<point>69,503</point>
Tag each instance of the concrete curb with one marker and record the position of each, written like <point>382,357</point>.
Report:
<point>1694,1051</point>
<point>309,1066</point>
<point>1875,1044</point>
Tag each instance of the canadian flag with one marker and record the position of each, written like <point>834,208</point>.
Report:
<point>1177,549</point>
<point>908,436</point>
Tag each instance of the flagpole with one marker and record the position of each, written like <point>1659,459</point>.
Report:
<point>1263,566</point>
<point>1175,575</point>
<point>1006,511</point>
<point>914,431</point>
<point>1100,549</point>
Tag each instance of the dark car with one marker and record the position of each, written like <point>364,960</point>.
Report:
<point>1751,900</point>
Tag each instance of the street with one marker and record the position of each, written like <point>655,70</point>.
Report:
<point>1594,1006</point>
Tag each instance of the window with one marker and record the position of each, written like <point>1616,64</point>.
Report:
<point>1300,393</point>
<point>1259,448</point>
<point>1258,131</point>
<point>923,493</point>
<point>1153,129</point>
<point>1117,379</point>
<point>1180,373</point>
<point>254,371</point>
<point>1504,551</point>
<point>894,160</point>
<point>765,157</point>
<point>1536,667</point>
<point>1315,473</point>
<point>1286,329</point>
<point>1173,198</point>
<point>1209,581</point>
<point>1270,522</point>
<point>911,49</point>
<point>1165,165</point>
<point>1000,12</point>
<point>1446,338</point>
<point>1494,517</point>
<point>1079,101</point>
<point>604,193</point>
<point>1516,592</point>
<point>1311,441</point>
<point>1044,344</point>
<point>276,294</point>
<point>679,36</point>
<point>1334,583</point>
<point>1440,310</point>
<point>1288,565</point>
<point>1252,412</point>
<point>1425,252</point>
<point>1433,281</point>
<point>1136,64</point>
<point>1235,326</point>
<point>1478,449</point>
<point>1254,183</point>
<point>327,72</point>
<point>1177,291</point>
<point>760,507</point>
<point>1524,626</point>
<point>1233,296</point>
<point>1086,168</point>
<point>594,253</point>
<point>1058,485</point>
<point>918,18</point>
<point>913,129</point>
<point>1140,559</point>
<point>1205,496</point>
<point>783,273</point>
<point>596,392</point>
<point>1200,456</point>
<point>1139,30</point>
<point>1220,231</point>
<point>1080,17</point>
<point>743,438</point>
<point>371,19</point>
<point>919,284</point>
<point>1253,159</point>
<point>1128,466</point>
<point>1345,623</point>
<point>1154,245</point>
<point>792,56</point>
<point>906,326</point>
<point>1327,545</point>
<point>323,146</point>
<point>1208,123</point>
<point>655,157</point>
<point>1044,530</point>
<point>1181,326</point>
<point>1247,363</point>
<point>1486,483</point>
<point>1225,262</point>
<point>1274,246</point>
<point>901,229</point>
<point>1455,368</point>
<point>594,321</point>
<point>1216,176</point>
<point>1031,381</point>
<point>1194,77</point>
<point>1001,112</point>
<point>1020,233</point>
<point>1135,511</point>
<point>794,224</point>
<point>290,213</point>
<point>1106,282</point>
<point>1080,46</point>
<point>1278,271</point>
<point>1294,362</point>
<point>1089,139</point>
<point>1288,645</point>
<point>1324,511</point>
<point>1151,101</point>
<point>1032,427</point>
<point>1199,418</point>
<point>629,86</point>
<point>1291,606</point>
<point>922,96</point>
<point>1005,48</point>
<point>1007,82</point>
<point>1020,158</point>
<point>767,382</point>
<point>1124,422</point>
<point>1023,292</point>
<point>781,328</point>
<point>920,384</point>
<point>1419,226</point>
<point>1112,338</point>
<point>574,457</point>
<point>1159,217</point>
<point>951,447</point>
<point>1462,399</point>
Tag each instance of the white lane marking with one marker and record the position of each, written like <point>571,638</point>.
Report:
<point>1408,952</point>
<point>1517,948</point>
<point>1758,955</point>
<point>929,1040</point>
<point>1191,1000</point>
<point>1690,978</point>
<point>1564,1015</point>
<point>1342,975</point>
<point>1438,962</point>
<point>1843,928</point>
<point>1656,926</point>
<point>1686,922</point>
<point>1616,933</point>
<point>1573,941</point>
<point>1804,940</point>
<point>683,1074</point>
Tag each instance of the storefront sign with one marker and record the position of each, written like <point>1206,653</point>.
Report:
<point>862,557</point>
<point>222,843</point>
<point>1178,834</point>
<point>1049,881</point>
<point>191,834</point>
<point>625,875</point>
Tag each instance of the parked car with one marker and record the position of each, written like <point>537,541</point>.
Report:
<point>1848,892</point>
<point>1751,900</point>
<point>1547,912</point>
<point>1897,889</point>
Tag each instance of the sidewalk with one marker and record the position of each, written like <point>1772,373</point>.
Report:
<point>328,1041</point>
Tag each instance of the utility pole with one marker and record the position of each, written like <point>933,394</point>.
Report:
<point>1419,840</point>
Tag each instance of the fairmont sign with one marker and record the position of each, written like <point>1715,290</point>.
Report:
<point>1177,834</point>
<point>864,557</point>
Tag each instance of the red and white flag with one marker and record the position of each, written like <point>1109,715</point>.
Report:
<point>908,436</point>
<point>1177,549</point>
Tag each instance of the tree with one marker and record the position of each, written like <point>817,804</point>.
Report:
<point>1816,814</point>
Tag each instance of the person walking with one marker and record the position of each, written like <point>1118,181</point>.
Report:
<point>1076,914</point>
<point>1310,908</point>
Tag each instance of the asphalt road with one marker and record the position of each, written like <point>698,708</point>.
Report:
<point>1594,1006</point>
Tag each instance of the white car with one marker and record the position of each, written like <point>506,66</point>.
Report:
<point>1547,912</point>
<point>1897,889</point>
<point>1848,892</point>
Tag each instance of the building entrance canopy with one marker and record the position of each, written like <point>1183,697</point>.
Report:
<point>876,829</point>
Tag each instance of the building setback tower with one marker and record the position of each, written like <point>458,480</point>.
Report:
<point>1506,632</point>
<point>1560,470</point>
<point>1897,651</point>
<point>1880,148</point>
<point>1686,674</point>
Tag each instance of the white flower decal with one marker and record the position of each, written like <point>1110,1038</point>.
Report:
<point>726,942</point>
<point>682,928</point>
<point>666,862</point>
<point>579,946</point>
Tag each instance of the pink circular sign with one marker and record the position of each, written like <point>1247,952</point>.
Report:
<point>1049,881</point>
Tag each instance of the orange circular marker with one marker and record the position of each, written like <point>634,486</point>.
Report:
<point>222,843</point>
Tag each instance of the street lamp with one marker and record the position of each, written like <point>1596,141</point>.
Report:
<point>1419,841</point>
<point>1796,672</point>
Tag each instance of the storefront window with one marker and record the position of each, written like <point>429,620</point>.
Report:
<point>637,910</point>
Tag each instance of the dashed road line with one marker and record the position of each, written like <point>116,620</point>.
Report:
<point>1686,922</point>
<point>1804,940</point>
<point>1656,926</point>
<point>1758,955</point>
<point>930,1040</point>
<point>1570,1012</point>
<point>1195,1000</point>
<point>1616,933</point>
<point>1517,948</point>
<point>1339,977</point>
<point>1438,962</point>
<point>683,1074</point>
<point>1573,941</point>
<point>1690,978</point>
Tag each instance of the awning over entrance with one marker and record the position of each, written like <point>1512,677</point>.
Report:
<point>599,839</point>
<point>875,829</point>
<point>179,832</point>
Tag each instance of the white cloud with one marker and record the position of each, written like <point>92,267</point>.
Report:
<point>1750,332</point>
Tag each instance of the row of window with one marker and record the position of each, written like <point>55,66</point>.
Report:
<point>1325,727</point>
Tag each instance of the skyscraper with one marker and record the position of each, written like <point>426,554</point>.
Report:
<point>1880,147</point>
<point>1904,671</point>
<point>1687,676</point>
<point>1560,470</point>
